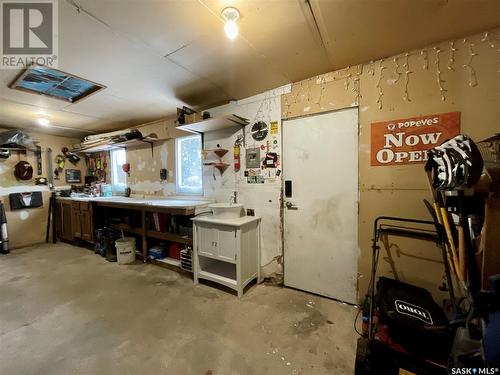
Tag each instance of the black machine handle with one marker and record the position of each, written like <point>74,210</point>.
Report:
<point>288,188</point>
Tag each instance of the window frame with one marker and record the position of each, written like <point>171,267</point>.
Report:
<point>180,190</point>
<point>117,187</point>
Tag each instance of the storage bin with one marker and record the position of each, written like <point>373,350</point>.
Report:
<point>174,251</point>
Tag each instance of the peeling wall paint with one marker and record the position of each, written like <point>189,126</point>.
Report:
<point>399,191</point>
<point>263,198</point>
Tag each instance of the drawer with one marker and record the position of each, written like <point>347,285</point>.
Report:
<point>75,205</point>
<point>84,206</point>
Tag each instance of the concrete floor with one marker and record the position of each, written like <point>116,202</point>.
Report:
<point>66,310</point>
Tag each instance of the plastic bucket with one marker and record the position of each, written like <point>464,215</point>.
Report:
<point>125,250</point>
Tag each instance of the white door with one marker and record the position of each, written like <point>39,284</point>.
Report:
<point>320,169</point>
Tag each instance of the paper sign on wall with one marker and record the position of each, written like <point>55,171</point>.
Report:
<point>274,127</point>
<point>405,141</point>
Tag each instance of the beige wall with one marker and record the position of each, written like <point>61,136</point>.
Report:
<point>27,227</point>
<point>396,191</point>
<point>399,190</point>
<point>144,177</point>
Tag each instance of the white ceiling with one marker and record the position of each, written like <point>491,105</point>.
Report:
<point>156,55</point>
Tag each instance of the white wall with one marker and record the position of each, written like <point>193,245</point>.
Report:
<point>264,198</point>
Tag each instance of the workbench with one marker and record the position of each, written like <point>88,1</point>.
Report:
<point>79,217</point>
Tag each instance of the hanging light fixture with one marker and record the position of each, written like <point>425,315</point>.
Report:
<point>230,15</point>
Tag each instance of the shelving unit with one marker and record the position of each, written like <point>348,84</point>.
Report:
<point>141,229</point>
<point>227,251</point>
<point>217,271</point>
<point>220,152</point>
<point>216,123</point>
<point>140,142</point>
<point>220,165</point>
<point>169,237</point>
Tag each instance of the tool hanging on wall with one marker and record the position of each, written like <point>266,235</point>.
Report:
<point>50,172</point>
<point>4,238</point>
<point>126,168</point>
<point>73,158</point>
<point>259,131</point>
<point>38,154</point>
<point>23,171</point>
<point>60,162</point>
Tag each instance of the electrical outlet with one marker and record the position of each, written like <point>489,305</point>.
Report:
<point>250,212</point>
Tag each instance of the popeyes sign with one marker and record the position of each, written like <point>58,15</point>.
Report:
<point>406,141</point>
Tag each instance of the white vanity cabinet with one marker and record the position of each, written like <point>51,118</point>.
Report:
<point>227,251</point>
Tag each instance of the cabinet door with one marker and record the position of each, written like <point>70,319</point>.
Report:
<point>66,221</point>
<point>76,223</point>
<point>206,240</point>
<point>226,243</point>
<point>86,225</point>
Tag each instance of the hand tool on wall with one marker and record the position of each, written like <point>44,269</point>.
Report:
<point>50,173</point>
<point>38,154</point>
<point>4,237</point>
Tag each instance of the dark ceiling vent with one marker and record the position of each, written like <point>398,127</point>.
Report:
<point>55,84</point>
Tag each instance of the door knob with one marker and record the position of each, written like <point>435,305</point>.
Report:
<point>289,205</point>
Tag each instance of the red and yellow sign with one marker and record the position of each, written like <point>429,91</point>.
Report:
<point>405,141</point>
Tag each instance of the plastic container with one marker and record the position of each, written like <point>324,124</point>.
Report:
<point>174,251</point>
<point>125,250</point>
<point>156,252</point>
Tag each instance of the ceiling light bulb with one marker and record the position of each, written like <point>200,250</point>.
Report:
<point>230,15</point>
<point>231,29</point>
<point>43,121</point>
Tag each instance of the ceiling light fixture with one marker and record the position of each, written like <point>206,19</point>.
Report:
<point>43,121</point>
<point>230,15</point>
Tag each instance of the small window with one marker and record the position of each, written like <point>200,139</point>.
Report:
<point>118,176</point>
<point>188,165</point>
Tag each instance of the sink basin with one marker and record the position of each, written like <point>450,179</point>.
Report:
<point>227,210</point>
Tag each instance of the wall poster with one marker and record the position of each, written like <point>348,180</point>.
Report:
<point>405,141</point>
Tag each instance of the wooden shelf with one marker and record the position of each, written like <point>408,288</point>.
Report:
<point>127,228</point>
<point>155,234</point>
<point>220,166</point>
<point>220,152</point>
<point>140,142</point>
<point>216,123</point>
<point>14,149</point>
<point>170,237</point>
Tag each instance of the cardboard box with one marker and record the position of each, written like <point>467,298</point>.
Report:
<point>195,117</point>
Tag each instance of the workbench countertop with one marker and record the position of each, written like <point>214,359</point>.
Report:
<point>236,222</point>
<point>152,202</point>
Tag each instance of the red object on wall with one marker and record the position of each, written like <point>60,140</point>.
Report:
<point>237,163</point>
<point>174,251</point>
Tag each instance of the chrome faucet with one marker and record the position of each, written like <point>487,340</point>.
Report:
<point>233,199</point>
